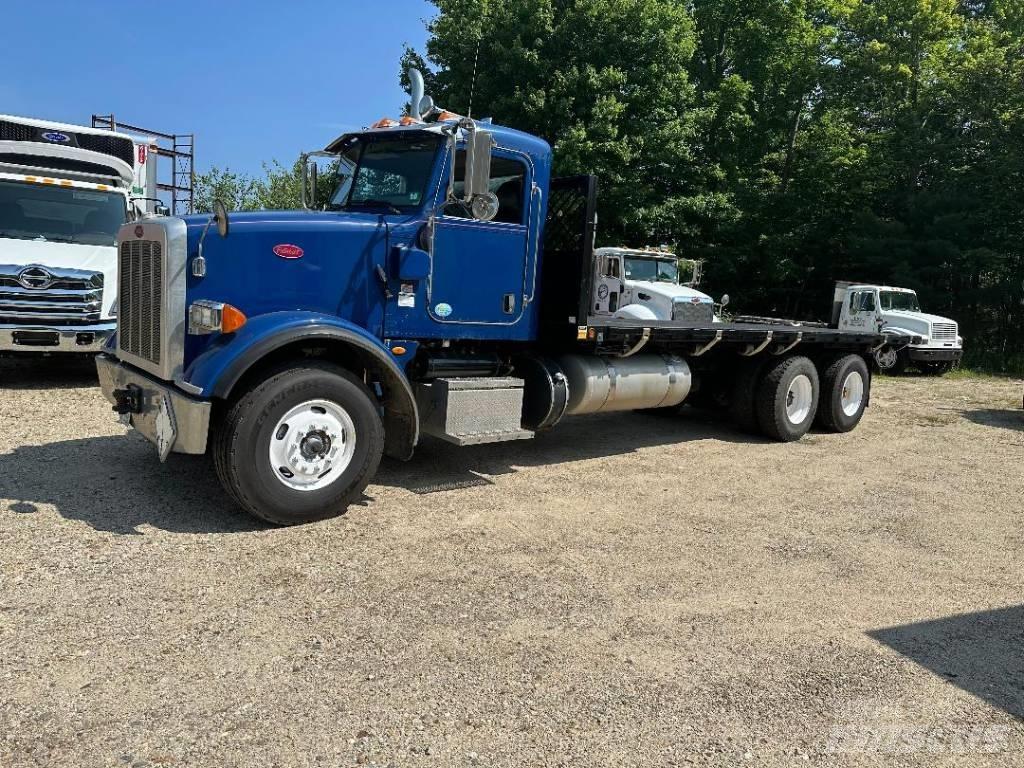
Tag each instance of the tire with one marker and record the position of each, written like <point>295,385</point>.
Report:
<point>892,362</point>
<point>845,386</point>
<point>787,399</point>
<point>743,402</point>
<point>323,403</point>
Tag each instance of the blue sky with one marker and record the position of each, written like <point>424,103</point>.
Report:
<point>253,80</point>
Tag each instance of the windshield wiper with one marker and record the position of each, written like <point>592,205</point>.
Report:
<point>14,236</point>
<point>374,204</point>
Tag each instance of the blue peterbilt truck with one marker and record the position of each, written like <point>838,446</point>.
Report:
<point>447,287</point>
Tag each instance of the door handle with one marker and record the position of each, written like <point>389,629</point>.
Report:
<point>509,303</point>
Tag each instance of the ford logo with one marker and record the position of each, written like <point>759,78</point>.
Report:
<point>288,251</point>
<point>35,278</point>
<point>56,137</point>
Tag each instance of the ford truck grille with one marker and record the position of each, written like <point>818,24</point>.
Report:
<point>944,331</point>
<point>41,296</point>
<point>686,311</point>
<point>151,264</point>
<point>141,287</point>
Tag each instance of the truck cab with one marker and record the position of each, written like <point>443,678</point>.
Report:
<point>647,284</point>
<point>65,192</point>
<point>933,343</point>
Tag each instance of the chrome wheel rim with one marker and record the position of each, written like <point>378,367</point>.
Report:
<point>852,396</point>
<point>312,445</point>
<point>799,399</point>
<point>886,358</point>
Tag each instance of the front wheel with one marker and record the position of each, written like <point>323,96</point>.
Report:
<point>301,445</point>
<point>891,361</point>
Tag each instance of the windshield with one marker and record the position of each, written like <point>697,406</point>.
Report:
<point>60,214</point>
<point>899,301</point>
<point>386,173</point>
<point>652,270</point>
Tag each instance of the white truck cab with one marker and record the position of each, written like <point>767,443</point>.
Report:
<point>645,284</point>
<point>65,191</point>
<point>936,345</point>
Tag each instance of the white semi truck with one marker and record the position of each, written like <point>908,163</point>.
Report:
<point>935,345</point>
<point>645,284</point>
<point>65,191</point>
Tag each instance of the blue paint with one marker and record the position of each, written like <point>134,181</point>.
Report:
<point>477,282</point>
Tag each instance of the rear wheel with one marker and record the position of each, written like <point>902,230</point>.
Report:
<point>300,446</point>
<point>787,399</point>
<point>845,384</point>
<point>743,403</point>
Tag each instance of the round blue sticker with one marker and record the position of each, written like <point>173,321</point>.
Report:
<point>57,138</point>
<point>442,310</point>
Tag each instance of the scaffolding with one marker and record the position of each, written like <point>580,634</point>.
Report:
<point>179,148</point>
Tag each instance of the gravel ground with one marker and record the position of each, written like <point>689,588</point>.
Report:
<point>627,590</point>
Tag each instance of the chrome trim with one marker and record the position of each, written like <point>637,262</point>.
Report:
<point>191,417</point>
<point>171,233</point>
<point>67,338</point>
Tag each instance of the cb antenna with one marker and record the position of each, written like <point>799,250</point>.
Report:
<point>476,60</point>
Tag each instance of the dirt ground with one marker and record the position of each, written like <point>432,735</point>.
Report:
<point>626,590</point>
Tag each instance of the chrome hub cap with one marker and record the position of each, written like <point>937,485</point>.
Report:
<point>886,358</point>
<point>799,399</point>
<point>312,445</point>
<point>853,394</point>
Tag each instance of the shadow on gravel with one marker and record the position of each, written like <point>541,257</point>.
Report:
<point>116,484</point>
<point>982,653</point>
<point>62,372</point>
<point>440,466</point>
<point>997,417</point>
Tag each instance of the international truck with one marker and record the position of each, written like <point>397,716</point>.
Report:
<point>65,191</point>
<point>929,342</point>
<point>445,288</point>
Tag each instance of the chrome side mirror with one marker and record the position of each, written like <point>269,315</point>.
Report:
<point>483,203</point>
<point>220,216</point>
<point>725,300</point>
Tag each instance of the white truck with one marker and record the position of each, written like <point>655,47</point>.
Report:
<point>935,345</point>
<point>65,191</point>
<point>645,284</point>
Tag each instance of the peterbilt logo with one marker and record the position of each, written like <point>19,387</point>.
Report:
<point>35,277</point>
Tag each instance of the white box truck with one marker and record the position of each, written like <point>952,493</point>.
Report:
<point>65,191</point>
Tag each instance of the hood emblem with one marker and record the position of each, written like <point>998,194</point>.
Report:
<point>35,278</point>
<point>288,251</point>
<point>56,137</point>
<point>139,231</point>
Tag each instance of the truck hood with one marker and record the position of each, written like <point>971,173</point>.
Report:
<point>898,316</point>
<point>94,258</point>
<point>669,291</point>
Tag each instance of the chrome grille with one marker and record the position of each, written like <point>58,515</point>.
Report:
<point>139,299</point>
<point>39,295</point>
<point>944,331</point>
<point>686,311</point>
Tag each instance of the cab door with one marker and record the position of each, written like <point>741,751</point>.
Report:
<point>479,268</point>
<point>608,285</point>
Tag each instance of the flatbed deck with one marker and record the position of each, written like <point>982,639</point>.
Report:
<point>751,338</point>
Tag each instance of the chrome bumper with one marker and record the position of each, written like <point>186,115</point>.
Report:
<point>87,339</point>
<point>173,421</point>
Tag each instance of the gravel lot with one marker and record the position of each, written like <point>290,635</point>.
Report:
<point>627,590</point>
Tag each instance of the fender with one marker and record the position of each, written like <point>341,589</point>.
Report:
<point>635,312</point>
<point>217,371</point>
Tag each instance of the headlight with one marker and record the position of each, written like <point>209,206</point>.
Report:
<point>206,317</point>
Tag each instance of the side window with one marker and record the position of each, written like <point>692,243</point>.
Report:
<point>508,182</point>
<point>613,268</point>
<point>867,303</point>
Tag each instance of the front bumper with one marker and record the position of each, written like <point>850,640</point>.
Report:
<point>935,354</point>
<point>173,421</point>
<point>36,339</point>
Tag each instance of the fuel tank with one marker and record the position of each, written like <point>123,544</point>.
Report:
<point>603,384</point>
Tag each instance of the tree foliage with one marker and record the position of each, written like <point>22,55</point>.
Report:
<point>790,142</point>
